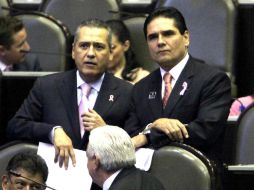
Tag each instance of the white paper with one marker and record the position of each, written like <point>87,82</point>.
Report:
<point>144,158</point>
<point>76,178</point>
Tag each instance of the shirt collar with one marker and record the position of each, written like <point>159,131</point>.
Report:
<point>109,181</point>
<point>177,69</point>
<point>2,66</point>
<point>95,85</point>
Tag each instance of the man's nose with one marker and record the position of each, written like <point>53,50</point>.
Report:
<point>26,46</point>
<point>91,52</point>
<point>160,40</point>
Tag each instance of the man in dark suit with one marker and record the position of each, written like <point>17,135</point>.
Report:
<point>111,159</point>
<point>197,108</point>
<point>51,111</point>
<point>14,45</point>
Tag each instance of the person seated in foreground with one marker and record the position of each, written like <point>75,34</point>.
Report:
<point>25,170</point>
<point>111,159</point>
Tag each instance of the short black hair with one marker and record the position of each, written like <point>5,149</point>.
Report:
<point>30,162</point>
<point>167,12</point>
<point>8,27</point>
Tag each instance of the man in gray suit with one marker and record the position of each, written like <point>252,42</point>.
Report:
<point>14,46</point>
<point>111,159</point>
<point>51,111</point>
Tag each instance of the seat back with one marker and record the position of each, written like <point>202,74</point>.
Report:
<point>4,4</point>
<point>135,25</point>
<point>73,12</point>
<point>182,167</point>
<point>49,39</point>
<point>211,24</point>
<point>10,149</point>
<point>244,153</point>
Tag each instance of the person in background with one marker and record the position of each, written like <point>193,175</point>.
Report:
<point>63,108</point>
<point>111,160</point>
<point>14,47</point>
<point>124,65</point>
<point>25,170</point>
<point>240,104</point>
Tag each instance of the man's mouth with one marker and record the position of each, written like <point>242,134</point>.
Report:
<point>89,63</point>
<point>163,51</point>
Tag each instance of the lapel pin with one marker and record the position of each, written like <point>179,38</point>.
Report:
<point>184,85</point>
<point>152,95</point>
<point>111,98</point>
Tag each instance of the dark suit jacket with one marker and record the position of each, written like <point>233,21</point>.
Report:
<point>204,106</point>
<point>135,179</point>
<point>53,102</point>
<point>31,63</point>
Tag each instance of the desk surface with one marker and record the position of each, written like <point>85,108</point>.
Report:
<point>247,167</point>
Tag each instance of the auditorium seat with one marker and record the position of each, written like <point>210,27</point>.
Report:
<point>180,167</point>
<point>244,144</point>
<point>4,4</point>
<point>135,26</point>
<point>49,39</point>
<point>73,12</point>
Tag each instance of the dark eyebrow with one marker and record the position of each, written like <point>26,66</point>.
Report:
<point>152,36</point>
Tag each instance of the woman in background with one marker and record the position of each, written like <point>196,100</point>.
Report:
<point>124,65</point>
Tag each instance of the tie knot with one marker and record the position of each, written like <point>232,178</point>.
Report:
<point>167,78</point>
<point>86,88</point>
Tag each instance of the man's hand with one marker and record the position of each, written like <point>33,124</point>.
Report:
<point>92,119</point>
<point>175,130</point>
<point>63,148</point>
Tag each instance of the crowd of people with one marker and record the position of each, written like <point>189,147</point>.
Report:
<point>184,100</point>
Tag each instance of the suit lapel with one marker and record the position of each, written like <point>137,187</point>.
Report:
<point>154,94</point>
<point>107,95</point>
<point>180,87</point>
<point>68,92</point>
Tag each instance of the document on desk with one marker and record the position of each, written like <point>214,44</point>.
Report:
<point>76,178</point>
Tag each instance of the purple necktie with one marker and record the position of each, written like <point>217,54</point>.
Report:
<point>83,105</point>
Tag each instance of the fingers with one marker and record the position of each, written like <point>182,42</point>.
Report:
<point>63,154</point>
<point>92,119</point>
<point>73,157</point>
<point>184,131</point>
<point>63,148</point>
<point>173,128</point>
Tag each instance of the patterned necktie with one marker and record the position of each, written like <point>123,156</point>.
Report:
<point>168,88</point>
<point>83,105</point>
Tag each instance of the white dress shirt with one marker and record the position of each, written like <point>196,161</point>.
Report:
<point>109,181</point>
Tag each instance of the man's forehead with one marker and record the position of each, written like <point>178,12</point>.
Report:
<point>90,34</point>
<point>161,24</point>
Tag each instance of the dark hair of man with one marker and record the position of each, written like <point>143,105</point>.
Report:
<point>9,26</point>
<point>97,24</point>
<point>30,162</point>
<point>168,12</point>
<point>119,29</point>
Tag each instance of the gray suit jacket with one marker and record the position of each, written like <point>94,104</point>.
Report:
<point>53,101</point>
<point>135,179</point>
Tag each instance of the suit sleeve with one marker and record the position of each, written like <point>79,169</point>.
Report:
<point>211,115</point>
<point>26,125</point>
